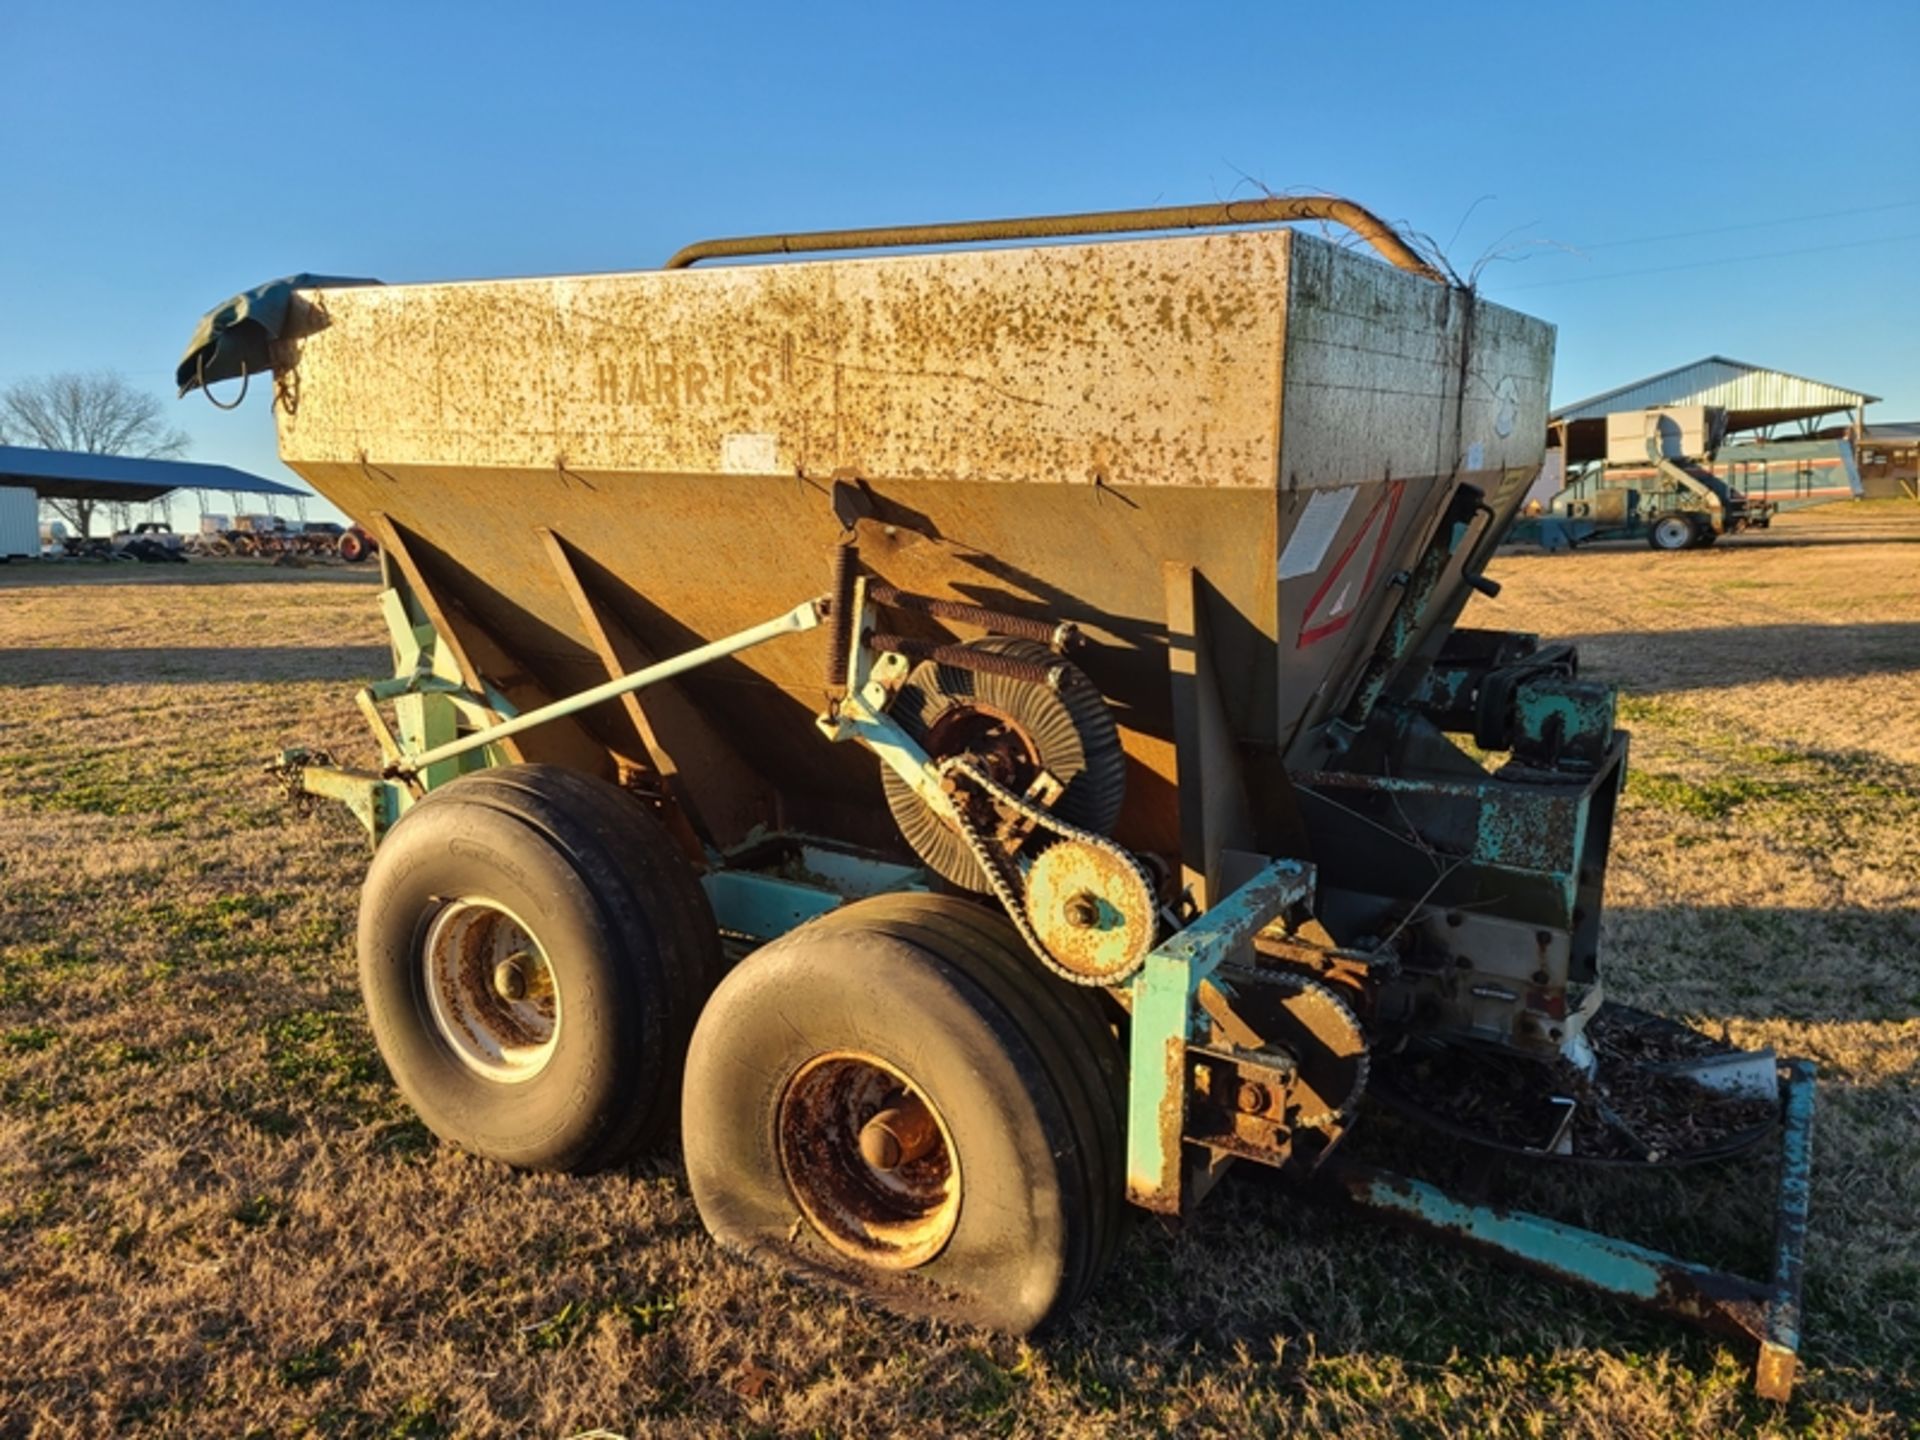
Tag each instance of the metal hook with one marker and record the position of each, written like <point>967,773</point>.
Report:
<point>200,374</point>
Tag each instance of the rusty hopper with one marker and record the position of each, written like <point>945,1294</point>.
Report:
<point>1041,430</point>
<point>1136,567</point>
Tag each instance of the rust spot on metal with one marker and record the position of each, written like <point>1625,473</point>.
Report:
<point>1161,1193</point>
<point>1774,1372</point>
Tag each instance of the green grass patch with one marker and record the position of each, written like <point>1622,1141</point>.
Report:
<point>1648,711</point>
<point>272,1120</point>
<point>210,922</point>
<point>258,1212</point>
<point>647,1315</point>
<point>31,1210</point>
<point>304,1367</point>
<point>991,1390</point>
<point>1706,799</point>
<point>111,781</point>
<point>559,1329</point>
<point>29,972</point>
<point>320,1050</point>
<point>114,1055</point>
<point>418,1419</point>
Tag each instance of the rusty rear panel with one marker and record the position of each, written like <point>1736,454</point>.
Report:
<point>693,554</point>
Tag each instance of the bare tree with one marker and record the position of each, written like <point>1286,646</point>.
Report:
<point>99,413</point>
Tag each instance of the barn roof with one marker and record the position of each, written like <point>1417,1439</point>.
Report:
<point>75,475</point>
<point>1752,395</point>
<point>1732,385</point>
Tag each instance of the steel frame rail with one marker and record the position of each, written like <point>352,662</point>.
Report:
<point>1767,1314</point>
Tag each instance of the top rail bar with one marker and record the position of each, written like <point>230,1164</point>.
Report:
<point>1272,210</point>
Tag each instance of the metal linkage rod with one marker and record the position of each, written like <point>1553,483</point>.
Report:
<point>801,617</point>
<point>1780,1343</point>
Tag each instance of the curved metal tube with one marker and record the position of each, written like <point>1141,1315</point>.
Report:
<point>1270,211</point>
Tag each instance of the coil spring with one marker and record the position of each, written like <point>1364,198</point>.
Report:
<point>846,565</point>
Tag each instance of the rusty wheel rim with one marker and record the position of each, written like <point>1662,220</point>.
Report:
<point>490,990</point>
<point>869,1160</point>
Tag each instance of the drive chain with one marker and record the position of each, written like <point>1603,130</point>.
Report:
<point>1004,877</point>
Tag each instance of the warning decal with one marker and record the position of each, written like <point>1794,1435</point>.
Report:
<point>1339,595</point>
<point>1313,532</point>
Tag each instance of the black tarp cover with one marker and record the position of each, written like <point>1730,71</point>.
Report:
<point>236,339</point>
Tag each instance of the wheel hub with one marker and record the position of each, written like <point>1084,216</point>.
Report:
<point>992,739</point>
<point>869,1160</point>
<point>899,1135</point>
<point>490,990</point>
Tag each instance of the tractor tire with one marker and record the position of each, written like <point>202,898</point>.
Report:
<point>654,863</point>
<point>895,1100</point>
<point>532,970</point>
<point>1672,532</point>
<point>351,548</point>
<point>1070,733</point>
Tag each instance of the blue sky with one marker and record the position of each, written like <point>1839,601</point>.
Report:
<point>159,158</point>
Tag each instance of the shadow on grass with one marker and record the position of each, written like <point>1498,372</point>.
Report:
<point>188,664</point>
<point>1653,662</point>
<point>44,575</point>
<point>1272,1289</point>
<point>1844,965</point>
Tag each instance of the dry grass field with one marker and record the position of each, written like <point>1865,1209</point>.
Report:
<point>217,1219</point>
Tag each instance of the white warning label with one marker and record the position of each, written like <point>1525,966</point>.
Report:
<point>747,454</point>
<point>1313,532</point>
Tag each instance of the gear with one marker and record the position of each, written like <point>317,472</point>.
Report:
<point>1092,908</point>
<point>1330,1047</point>
<point>1013,730</point>
<point>1319,1030</point>
<point>1004,879</point>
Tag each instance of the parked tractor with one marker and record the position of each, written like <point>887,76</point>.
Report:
<point>1670,478</point>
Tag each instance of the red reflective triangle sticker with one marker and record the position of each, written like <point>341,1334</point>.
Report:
<point>1339,596</point>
